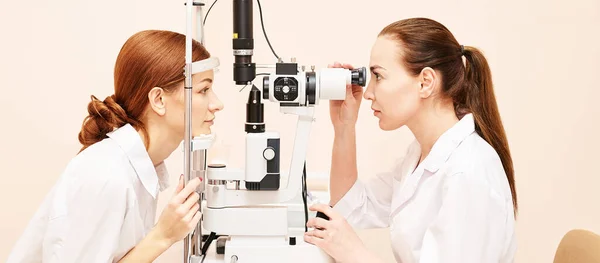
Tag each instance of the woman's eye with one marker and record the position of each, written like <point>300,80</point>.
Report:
<point>377,76</point>
<point>204,90</point>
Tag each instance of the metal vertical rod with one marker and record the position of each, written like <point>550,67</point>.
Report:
<point>188,113</point>
<point>198,170</point>
<point>200,159</point>
<point>187,163</point>
<point>193,241</point>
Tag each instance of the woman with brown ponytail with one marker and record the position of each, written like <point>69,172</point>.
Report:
<point>451,198</point>
<point>103,207</point>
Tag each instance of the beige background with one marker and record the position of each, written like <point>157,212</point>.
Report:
<point>545,58</point>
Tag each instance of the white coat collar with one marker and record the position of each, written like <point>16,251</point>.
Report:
<point>448,142</point>
<point>439,154</point>
<point>154,179</point>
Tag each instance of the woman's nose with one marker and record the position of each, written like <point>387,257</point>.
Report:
<point>368,95</point>
<point>216,105</point>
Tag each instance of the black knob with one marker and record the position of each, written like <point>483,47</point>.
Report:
<point>292,241</point>
<point>221,246</point>
<point>266,88</point>
<point>322,215</point>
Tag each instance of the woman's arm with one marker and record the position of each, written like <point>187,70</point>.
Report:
<point>148,250</point>
<point>337,238</point>
<point>177,220</point>
<point>362,205</point>
<point>344,114</point>
<point>343,164</point>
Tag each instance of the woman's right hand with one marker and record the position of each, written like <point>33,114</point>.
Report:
<point>344,114</point>
<point>181,215</point>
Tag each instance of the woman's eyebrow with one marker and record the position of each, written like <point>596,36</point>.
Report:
<point>207,80</point>
<point>374,67</point>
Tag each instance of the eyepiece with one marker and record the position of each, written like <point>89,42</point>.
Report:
<point>359,76</point>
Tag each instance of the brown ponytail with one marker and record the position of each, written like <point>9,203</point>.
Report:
<point>481,101</point>
<point>427,43</point>
<point>148,59</point>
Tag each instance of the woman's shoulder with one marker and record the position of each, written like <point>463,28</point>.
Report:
<point>100,163</point>
<point>96,175</point>
<point>476,152</point>
<point>105,153</point>
<point>476,160</point>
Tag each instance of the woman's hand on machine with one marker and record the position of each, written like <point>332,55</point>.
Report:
<point>335,236</point>
<point>182,213</point>
<point>344,114</point>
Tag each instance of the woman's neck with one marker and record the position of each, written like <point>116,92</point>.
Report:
<point>429,125</point>
<point>161,143</point>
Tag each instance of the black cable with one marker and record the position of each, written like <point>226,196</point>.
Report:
<point>204,248</point>
<point>208,12</point>
<point>209,240</point>
<point>264,31</point>
<point>304,196</point>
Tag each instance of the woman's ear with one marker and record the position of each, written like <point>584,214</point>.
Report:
<point>157,101</point>
<point>428,80</point>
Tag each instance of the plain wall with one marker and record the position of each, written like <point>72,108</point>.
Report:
<point>544,55</point>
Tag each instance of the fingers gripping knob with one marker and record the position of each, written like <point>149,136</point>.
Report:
<point>323,215</point>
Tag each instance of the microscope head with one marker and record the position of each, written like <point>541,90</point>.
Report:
<point>290,87</point>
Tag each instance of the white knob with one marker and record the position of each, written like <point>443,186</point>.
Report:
<point>269,153</point>
<point>286,89</point>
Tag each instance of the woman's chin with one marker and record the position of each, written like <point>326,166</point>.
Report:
<point>385,126</point>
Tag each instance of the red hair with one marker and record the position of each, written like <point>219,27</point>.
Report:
<point>148,59</point>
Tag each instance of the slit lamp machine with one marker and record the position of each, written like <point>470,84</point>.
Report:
<point>244,210</point>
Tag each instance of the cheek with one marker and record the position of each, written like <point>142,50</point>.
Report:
<point>175,114</point>
<point>199,108</point>
<point>399,101</point>
<point>199,115</point>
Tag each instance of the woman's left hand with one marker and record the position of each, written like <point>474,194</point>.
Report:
<point>336,236</point>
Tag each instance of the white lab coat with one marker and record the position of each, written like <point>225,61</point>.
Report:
<point>455,206</point>
<point>103,204</point>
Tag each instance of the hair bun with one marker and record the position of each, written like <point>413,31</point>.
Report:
<point>103,117</point>
<point>115,108</point>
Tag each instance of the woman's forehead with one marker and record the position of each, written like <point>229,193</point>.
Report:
<point>384,52</point>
